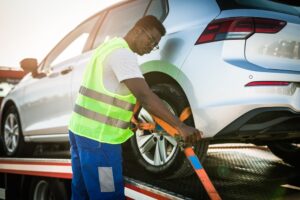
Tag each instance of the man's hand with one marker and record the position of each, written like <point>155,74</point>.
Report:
<point>189,134</point>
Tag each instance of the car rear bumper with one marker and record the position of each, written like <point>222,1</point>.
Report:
<point>264,123</point>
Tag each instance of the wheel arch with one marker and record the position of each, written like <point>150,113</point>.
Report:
<point>159,72</point>
<point>6,105</point>
<point>153,78</point>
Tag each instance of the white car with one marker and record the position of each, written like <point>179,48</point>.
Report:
<point>236,63</point>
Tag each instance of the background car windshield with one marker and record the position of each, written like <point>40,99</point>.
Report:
<point>276,5</point>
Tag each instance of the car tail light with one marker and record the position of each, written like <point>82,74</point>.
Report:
<point>238,28</point>
<point>267,83</point>
<point>263,25</point>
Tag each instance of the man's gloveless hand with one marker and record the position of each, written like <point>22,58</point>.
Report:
<point>190,135</point>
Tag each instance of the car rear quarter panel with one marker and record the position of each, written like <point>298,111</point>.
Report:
<point>215,76</point>
<point>262,49</point>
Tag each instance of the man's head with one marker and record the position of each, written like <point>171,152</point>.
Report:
<point>145,35</point>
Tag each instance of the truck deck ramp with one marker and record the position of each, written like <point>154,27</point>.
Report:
<point>237,171</point>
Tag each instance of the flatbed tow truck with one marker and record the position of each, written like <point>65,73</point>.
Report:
<point>38,178</point>
<point>237,171</point>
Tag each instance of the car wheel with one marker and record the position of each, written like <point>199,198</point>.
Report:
<point>11,134</point>
<point>43,188</point>
<point>158,152</point>
<point>287,151</point>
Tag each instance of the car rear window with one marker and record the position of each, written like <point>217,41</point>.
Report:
<point>283,6</point>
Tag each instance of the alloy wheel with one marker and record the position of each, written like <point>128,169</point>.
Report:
<point>11,133</point>
<point>156,147</point>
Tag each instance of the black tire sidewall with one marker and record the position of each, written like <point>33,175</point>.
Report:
<point>56,187</point>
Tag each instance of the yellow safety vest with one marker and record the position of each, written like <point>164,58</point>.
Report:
<point>100,114</point>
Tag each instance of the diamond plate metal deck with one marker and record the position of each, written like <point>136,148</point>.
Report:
<point>237,171</point>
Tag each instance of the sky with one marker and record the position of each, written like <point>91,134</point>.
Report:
<point>31,28</point>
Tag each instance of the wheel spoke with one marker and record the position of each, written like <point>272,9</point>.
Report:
<point>171,140</point>
<point>15,127</point>
<point>146,143</point>
<point>162,149</point>
<point>6,136</point>
<point>157,158</point>
<point>7,128</point>
<point>14,141</point>
<point>144,116</point>
<point>11,120</point>
<point>8,142</point>
<point>16,132</point>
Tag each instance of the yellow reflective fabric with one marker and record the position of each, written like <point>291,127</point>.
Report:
<point>100,119</point>
<point>117,135</point>
<point>103,108</point>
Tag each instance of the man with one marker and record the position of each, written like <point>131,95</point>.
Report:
<point>111,85</point>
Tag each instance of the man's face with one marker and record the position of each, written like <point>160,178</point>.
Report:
<point>146,40</point>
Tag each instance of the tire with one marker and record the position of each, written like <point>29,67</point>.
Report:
<point>289,152</point>
<point>11,135</point>
<point>149,147</point>
<point>47,188</point>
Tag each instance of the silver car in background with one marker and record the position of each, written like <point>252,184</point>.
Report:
<point>236,63</point>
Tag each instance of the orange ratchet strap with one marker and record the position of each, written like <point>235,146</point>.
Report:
<point>150,126</point>
<point>189,152</point>
<point>141,125</point>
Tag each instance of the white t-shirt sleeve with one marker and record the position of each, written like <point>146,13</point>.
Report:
<point>123,63</point>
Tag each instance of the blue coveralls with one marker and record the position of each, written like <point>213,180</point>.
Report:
<point>97,169</point>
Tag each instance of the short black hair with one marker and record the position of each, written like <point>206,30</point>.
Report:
<point>150,21</point>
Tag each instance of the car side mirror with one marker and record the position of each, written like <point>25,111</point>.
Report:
<point>31,65</point>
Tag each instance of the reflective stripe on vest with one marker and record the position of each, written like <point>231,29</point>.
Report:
<point>100,118</point>
<point>105,98</point>
<point>99,114</point>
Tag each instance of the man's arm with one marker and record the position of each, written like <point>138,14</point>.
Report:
<point>152,103</point>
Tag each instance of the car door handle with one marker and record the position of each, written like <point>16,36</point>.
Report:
<point>67,70</point>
